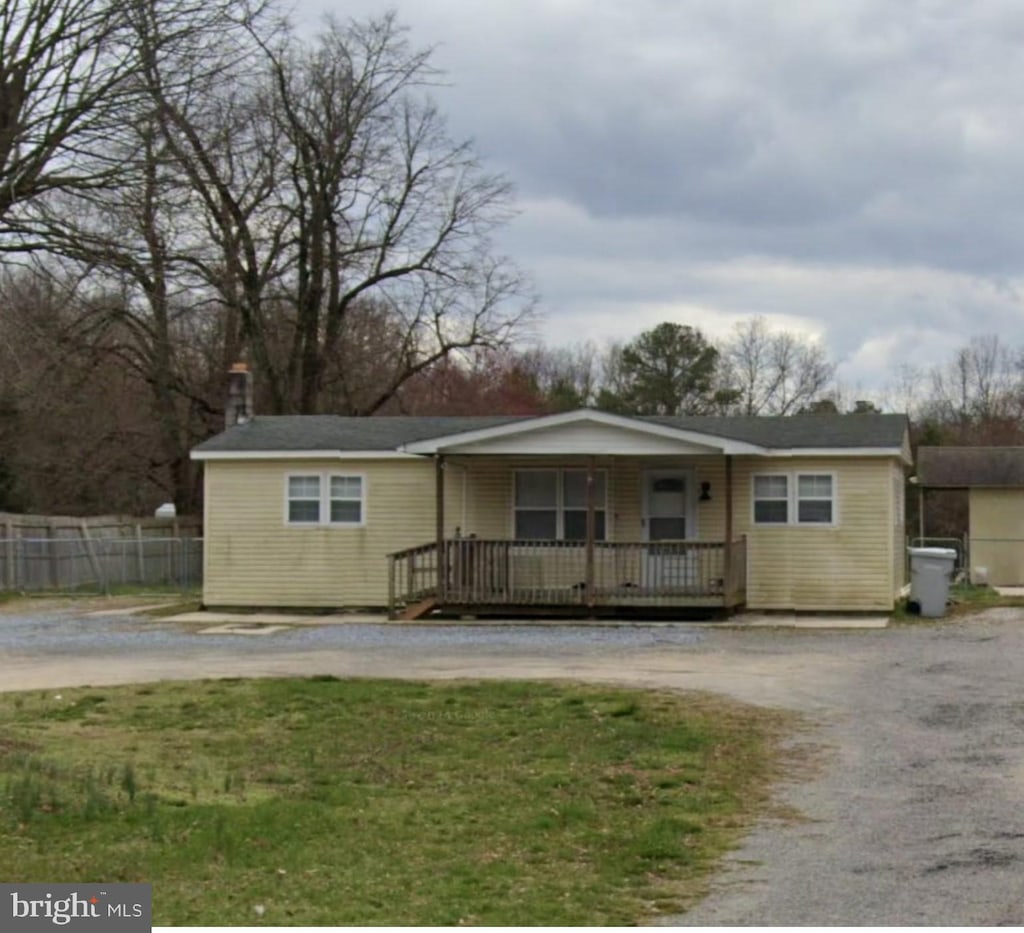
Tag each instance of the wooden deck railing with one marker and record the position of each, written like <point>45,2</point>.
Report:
<point>484,572</point>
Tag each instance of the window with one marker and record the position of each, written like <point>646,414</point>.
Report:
<point>551,505</point>
<point>346,500</point>
<point>536,504</point>
<point>771,500</point>
<point>814,499</point>
<point>325,499</point>
<point>794,499</point>
<point>574,505</point>
<point>303,500</point>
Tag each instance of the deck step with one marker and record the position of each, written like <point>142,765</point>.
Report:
<point>419,610</point>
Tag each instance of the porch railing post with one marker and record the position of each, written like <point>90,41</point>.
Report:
<point>920,513</point>
<point>727,581</point>
<point>391,586</point>
<point>591,532</point>
<point>442,557</point>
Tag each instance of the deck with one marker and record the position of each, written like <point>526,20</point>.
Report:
<point>474,573</point>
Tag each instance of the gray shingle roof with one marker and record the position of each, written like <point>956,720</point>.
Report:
<point>790,431</point>
<point>963,467</point>
<point>335,432</point>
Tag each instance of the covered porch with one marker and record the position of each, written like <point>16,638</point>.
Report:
<point>582,514</point>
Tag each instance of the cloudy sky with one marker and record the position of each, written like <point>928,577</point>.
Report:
<point>850,169</point>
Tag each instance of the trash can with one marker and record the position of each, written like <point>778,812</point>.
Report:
<point>931,569</point>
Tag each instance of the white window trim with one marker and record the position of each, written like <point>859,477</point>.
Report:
<point>324,520</point>
<point>559,504</point>
<point>793,499</point>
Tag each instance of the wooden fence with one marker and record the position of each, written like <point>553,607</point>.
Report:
<point>65,553</point>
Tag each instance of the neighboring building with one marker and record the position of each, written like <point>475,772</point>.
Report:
<point>584,510</point>
<point>994,480</point>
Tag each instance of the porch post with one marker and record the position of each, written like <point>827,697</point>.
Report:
<point>920,514</point>
<point>727,581</point>
<point>442,557</point>
<point>591,529</point>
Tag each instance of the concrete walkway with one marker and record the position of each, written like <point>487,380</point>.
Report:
<point>242,623</point>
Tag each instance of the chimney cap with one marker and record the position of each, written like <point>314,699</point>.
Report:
<point>239,367</point>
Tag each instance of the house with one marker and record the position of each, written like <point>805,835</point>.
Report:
<point>583,511</point>
<point>994,480</point>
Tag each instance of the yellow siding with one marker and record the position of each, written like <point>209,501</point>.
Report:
<point>847,567</point>
<point>997,534</point>
<point>253,558</point>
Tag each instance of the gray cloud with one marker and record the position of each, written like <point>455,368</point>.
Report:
<point>673,157</point>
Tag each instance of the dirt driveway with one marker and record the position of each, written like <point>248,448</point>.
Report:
<point>915,817</point>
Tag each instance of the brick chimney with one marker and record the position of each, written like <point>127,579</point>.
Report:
<point>238,409</point>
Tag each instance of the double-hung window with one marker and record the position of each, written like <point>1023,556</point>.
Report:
<point>814,504</point>
<point>574,505</point>
<point>794,499</point>
<point>551,505</point>
<point>304,500</point>
<point>325,499</point>
<point>346,500</point>
<point>771,499</point>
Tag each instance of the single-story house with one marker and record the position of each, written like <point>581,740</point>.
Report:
<point>581,510</point>
<point>994,480</point>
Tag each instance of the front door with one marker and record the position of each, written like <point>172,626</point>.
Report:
<point>668,519</point>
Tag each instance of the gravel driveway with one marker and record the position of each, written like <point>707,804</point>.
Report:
<point>915,816</point>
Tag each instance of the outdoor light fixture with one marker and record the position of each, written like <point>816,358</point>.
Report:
<point>705,492</point>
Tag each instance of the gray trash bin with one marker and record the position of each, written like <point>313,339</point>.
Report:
<point>931,570</point>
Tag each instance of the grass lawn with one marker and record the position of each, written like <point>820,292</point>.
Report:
<point>328,802</point>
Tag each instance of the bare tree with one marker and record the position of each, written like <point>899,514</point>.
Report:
<point>981,383</point>
<point>133,247</point>
<point>255,193</point>
<point>66,71</point>
<point>566,377</point>
<point>76,434</point>
<point>332,182</point>
<point>905,391</point>
<point>775,372</point>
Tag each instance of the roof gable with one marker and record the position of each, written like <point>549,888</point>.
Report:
<point>581,432</point>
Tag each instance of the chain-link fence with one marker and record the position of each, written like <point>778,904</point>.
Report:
<point>104,564</point>
<point>960,545</point>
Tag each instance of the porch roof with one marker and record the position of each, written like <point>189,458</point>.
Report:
<point>334,435</point>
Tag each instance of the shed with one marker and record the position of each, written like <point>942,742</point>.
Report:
<point>994,480</point>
